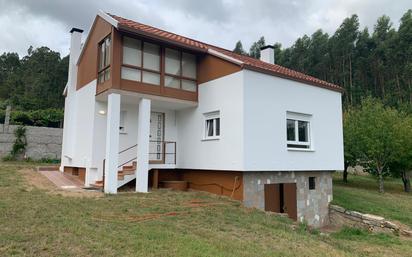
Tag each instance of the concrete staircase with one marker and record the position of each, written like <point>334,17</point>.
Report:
<point>126,174</point>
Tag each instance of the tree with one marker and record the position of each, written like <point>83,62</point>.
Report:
<point>376,136</point>
<point>239,48</point>
<point>402,165</point>
<point>255,48</point>
<point>34,82</point>
<point>351,151</point>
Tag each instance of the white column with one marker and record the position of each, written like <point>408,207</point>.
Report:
<point>143,133</point>
<point>112,144</point>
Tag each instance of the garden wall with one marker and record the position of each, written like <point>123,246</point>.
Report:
<point>42,142</point>
<point>341,217</point>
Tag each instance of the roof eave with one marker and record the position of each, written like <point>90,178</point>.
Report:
<point>137,32</point>
<point>335,88</point>
<point>105,17</point>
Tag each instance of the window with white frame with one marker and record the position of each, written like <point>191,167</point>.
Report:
<point>212,125</point>
<point>298,131</point>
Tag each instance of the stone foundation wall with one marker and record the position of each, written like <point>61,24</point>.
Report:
<point>42,142</point>
<point>340,217</point>
<point>312,205</point>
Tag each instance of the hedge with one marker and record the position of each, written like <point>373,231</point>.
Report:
<point>40,118</point>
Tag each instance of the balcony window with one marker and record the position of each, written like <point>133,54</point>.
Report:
<point>180,70</point>
<point>104,60</point>
<point>146,62</point>
<point>141,61</point>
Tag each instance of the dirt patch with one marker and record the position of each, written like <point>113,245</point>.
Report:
<point>34,179</point>
<point>201,203</point>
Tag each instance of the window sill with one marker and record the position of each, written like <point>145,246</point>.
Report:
<point>211,139</point>
<point>300,150</point>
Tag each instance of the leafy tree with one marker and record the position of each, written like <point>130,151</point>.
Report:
<point>375,135</point>
<point>402,165</point>
<point>255,48</point>
<point>351,145</point>
<point>34,82</point>
<point>239,48</point>
<point>376,63</point>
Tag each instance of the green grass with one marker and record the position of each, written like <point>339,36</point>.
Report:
<point>361,194</point>
<point>40,222</point>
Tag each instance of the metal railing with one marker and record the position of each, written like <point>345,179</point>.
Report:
<point>162,152</point>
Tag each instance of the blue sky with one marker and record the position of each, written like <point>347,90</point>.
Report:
<point>219,22</point>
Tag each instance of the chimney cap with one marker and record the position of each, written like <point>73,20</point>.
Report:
<point>76,30</point>
<point>266,47</point>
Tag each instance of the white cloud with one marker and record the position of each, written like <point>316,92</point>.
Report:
<point>220,22</point>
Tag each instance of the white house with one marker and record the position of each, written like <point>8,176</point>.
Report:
<point>150,106</point>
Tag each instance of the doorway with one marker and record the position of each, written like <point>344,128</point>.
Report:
<point>281,198</point>
<point>156,144</point>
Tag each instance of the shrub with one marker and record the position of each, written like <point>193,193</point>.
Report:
<point>20,143</point>
<point>41,118</point>
<point>2,116</point>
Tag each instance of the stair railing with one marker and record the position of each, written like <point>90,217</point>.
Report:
<point>120,152</point>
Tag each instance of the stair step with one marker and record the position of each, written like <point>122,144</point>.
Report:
<point>96,185</point>
<point>128,172</point>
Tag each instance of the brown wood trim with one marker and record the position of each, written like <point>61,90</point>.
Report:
<point>210,67</point>
<point>212,181</point>
<point>88,61</point>
<point>145,88</point>
<point>116,58</point>
<point>139,87</point>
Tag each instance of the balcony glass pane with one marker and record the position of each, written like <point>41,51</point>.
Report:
<point>172,62</point>
<point>189,65</point>
<point>172,82</point>
<point>189,85</point>
<point>131,74</point>
<point>151,57</point>
<point>132,51</point>
<point>151,78</point>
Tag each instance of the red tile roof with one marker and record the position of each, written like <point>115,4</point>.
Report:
<point>247,62</point>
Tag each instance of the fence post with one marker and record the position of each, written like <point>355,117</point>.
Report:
<point>7,118</point>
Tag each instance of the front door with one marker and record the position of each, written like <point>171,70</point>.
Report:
<point>156,145</point>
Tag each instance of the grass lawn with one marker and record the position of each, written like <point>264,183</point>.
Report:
<point>361,194</point>
<point>37,220</point>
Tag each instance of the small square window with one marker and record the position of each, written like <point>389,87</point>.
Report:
<point>298,131</point>
<point>312,184</point>
<point>212,125</point>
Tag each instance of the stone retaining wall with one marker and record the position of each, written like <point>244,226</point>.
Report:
<point>339,217</point>
<point>42,142</point>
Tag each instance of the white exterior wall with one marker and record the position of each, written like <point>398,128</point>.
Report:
<point>225,95</point>
<point>266,101</point>
<point>80,111</point>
